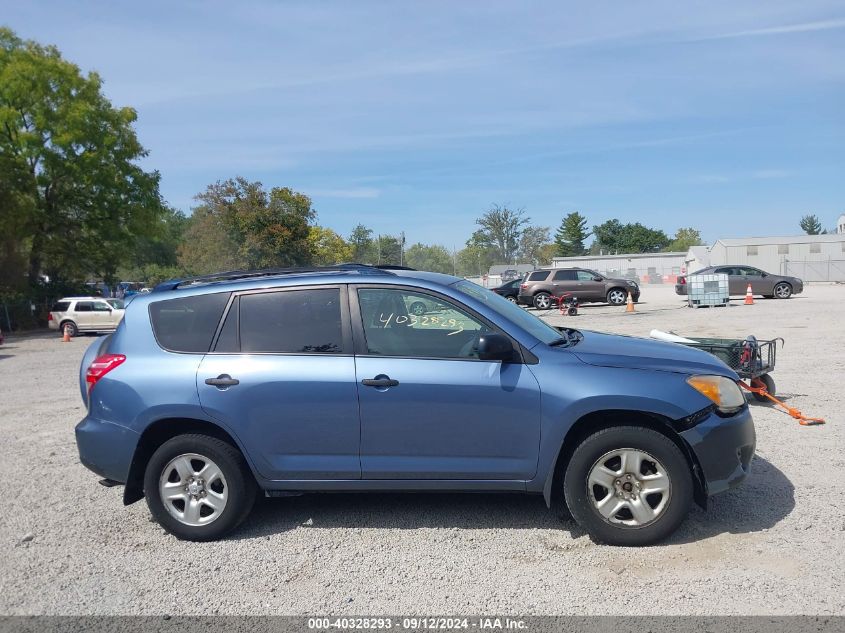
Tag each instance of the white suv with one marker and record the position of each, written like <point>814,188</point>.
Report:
<point>85,314</point>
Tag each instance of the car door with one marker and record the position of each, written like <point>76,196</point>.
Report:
<point>282,376</point>
<point>565,281</point>
<point>83,314</point>
<point>759,284</point>
<point>101,316</point>
<point>430,408</point>
<point>587,288</point>
<point>735,283</point>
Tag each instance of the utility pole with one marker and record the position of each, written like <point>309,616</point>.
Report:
<point>402,248</point>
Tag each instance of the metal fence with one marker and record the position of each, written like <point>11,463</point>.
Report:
<point>25,314</point>
<point>816,270</point>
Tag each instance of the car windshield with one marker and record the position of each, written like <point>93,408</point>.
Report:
<point>528,322</point>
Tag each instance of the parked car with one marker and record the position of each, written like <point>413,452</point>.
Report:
<point>539,287</point>
<point>84,314</point>
<point>214,390</point>
<point>762,283</point>
<point>509,275</point>
<point>509,291</point>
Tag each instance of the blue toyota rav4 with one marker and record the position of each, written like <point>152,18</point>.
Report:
<point>216,389</point>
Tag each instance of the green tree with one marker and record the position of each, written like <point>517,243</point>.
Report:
<point>388,250</point>
<point>615,237</point>
<point>476,258</point>
<point>208,245</point>
<point>81,200</point>
<point>501,228</point>
<point>532,242</point>
<point>810,225</point>
<point>434,258</point>
<point>327,247</point>
<point>361,240</point>
<point>684,238</point>
<point>571,235</point>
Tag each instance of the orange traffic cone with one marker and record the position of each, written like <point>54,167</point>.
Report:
<point>630,306</point>
<point>749,298</point>
<point>66,335</point>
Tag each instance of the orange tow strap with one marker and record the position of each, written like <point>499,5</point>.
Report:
<point>795,413</point>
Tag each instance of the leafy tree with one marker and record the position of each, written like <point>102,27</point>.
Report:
<point>546,254</point>
<point>327,247</point>
<point>361,241</point>
<point>571,235</point>
<point>208,246</point>
<point>615,237</point>
<point>70,157</point>
<point>475,260</point>
<point>810,225</point>
<point>684,238</point>
<point>435,258</point>
<point>531,244</point>
<point>388,250</point>
<point>501,228</point>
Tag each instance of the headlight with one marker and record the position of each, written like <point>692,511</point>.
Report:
<point>632,283</point>
<point>724,392</point>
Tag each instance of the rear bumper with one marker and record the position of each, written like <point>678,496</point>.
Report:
<point>53,324</point>
<point>106,448</point>
<point>724,448</point>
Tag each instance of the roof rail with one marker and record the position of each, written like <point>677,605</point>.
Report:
<point>237,275</point>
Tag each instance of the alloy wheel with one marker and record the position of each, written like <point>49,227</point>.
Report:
<point>193,489</point>
<point>629,487</point>
<point>543,302</point>
<point>616,297</point>
<point>783,291</point>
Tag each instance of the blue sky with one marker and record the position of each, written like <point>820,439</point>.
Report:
<point>417,116</point>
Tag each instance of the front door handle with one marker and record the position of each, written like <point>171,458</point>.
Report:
<point>380,381</point>
<point>222,381</point>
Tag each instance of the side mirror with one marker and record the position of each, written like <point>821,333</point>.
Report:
<point>597,278</point>
<point>495,347</point>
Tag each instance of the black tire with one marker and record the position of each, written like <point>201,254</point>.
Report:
<point>543,301</point>
<point>417,308</point>
<point>74,331</point>
<point>614,297</point>
<point>511,298</point>
<point>579,499</point>
<point>768,382</point>
<point>782,290</point>
<point>572,311</point>
<point>240,486</point>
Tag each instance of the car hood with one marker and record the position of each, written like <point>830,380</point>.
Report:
<point>613,350</point>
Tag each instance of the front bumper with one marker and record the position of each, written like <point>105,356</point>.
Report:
<point>106,448</point>
<point>724,448</point>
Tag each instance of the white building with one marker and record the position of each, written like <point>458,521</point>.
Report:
<point>840,224</point>
<point>810,257</point>
<point>645,267</point>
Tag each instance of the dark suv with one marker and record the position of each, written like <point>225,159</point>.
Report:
<point>539,287</point>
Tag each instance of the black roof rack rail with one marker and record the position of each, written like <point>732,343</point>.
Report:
<point>237,275</point>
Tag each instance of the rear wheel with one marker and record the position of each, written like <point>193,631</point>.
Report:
<point>70,325</point>
<point>763,381</point>
<point>198,487</point>
<point>783,290</point>
<point>511,298</point>
<point>417,308</point>
<point>616,297</point>
<point>542,301</point>
<point>628,485</point>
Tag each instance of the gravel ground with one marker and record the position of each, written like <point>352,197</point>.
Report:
<point>772,546</point>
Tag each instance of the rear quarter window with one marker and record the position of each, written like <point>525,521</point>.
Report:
<point>187,324</point>
<point>538,276</point>
<point>60,306</point>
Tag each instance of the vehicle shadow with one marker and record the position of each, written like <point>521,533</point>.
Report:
<point>763,500</point>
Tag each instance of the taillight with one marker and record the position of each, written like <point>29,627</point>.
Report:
<point>523,286</point>
<point>101,366</point>
<point>682,280</point>
<point>50,317</point>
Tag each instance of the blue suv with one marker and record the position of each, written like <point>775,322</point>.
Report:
<point>216,389</point>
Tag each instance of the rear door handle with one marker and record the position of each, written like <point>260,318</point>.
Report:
<point>223,380</point>
<point>379,381</point>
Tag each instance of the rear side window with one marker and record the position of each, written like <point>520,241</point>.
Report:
<point>538,276</point>
<point>289,322</point>
<point>187,324</point>
<point>564,275</point>
<point>84,306</point>
<point>60,306</point>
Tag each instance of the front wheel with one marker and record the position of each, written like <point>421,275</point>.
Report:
<point>198,487</point>
<point>417,308</point>
<point>542,301</point>
<point>628,485</point>
<point>783,291</point>
<point>617,297</point>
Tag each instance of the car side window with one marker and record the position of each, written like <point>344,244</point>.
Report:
<point>751,272</point>
<point>101,306</point>
<point>394,325</point>
<point>725,270</point>
<point>540,275</point>
<point>291,321</point>
<point>584,275</point>
<point>83,306</point>
<point>565,275</point>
